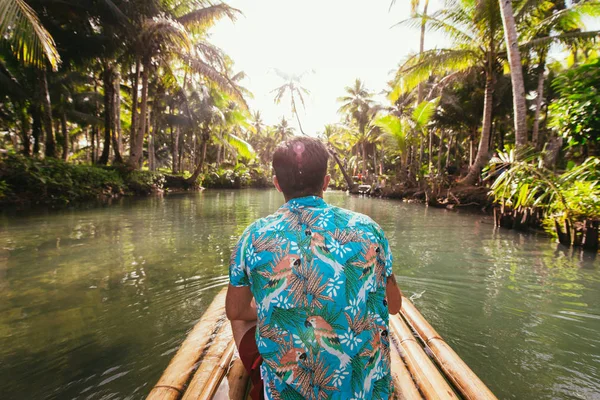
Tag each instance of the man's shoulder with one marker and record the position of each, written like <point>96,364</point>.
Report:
<point>353,219</point>
<point>263,224</point>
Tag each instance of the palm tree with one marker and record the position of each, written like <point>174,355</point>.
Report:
<point>360,109</point>
<point>162,39</point>
<point>414,9</point>
<point>294,89</point>
<point>333,137</point>
<point>516,72</point>
<point>401,131</point>
<point>474,28</point>
<point>284,130</point>
<point>539,26</point>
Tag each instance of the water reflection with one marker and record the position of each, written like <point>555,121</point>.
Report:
<point>93,303</point>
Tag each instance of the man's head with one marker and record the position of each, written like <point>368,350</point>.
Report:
<point>300,166</point>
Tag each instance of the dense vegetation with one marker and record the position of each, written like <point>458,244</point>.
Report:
<point>137,85</point>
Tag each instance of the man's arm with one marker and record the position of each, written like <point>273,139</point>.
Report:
<point>393,294</point>
<point>239,304</point>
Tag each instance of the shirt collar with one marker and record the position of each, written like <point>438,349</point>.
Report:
<point>308,201</point>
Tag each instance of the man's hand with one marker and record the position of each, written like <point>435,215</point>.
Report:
<point>393,294</point>
<point>239,304</point>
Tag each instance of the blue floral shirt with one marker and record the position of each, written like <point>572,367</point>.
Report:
<point>318,274</point>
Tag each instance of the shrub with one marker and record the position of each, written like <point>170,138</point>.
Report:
<point>54,182</point>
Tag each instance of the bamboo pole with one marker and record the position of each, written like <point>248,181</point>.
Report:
<point>404,386</point>
<point>218,373</point>
<point>238,380</point>
<point>465,380</point>
<point>218,348</point>
<point>428,378</point>
<point>171,384</point>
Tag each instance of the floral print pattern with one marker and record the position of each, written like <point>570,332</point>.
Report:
<point>318,275</point>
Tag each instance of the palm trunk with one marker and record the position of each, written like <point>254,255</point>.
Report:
<point>93,143</point>
<point>472,147</point>
<point>483,149</point>
<point>46,106</point>
<point>108,111</point>
<point>374,159</point>
<point>152,142</point>
<point>36,128</point>
<point>297,116</point>
<point>421,151</point>
<point>422,48</point>
<point>25,126</point>
<point>538,101</point>
<point>430,150</point>
<point>364,154</point>
<point>175,145</point>
<point>65,133</point>
<point>134,113</point>
<point>347,177</point>
<point>450,143</point>
<point>118,145</point>
<point>136,159</point>
<point>88,156</point>
<point>516,72</point>
<point>192,179</point>
<point>440,152</point>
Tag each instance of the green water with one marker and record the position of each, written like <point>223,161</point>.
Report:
<point>93,303</point>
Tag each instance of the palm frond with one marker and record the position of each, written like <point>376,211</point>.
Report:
<point>435,24</point>
<point>571,17</point>
<point>205,17</point>
<point>565,38</point>
<point>423,112</point>
<point>224,83</point>
<point>419,68</point>
<point>30,41</point>
<point>242,147</point>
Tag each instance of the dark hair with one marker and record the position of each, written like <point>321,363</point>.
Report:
<point>300,165</point>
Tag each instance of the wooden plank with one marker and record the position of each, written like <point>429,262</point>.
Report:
<point>218,373</point>
<point>238,380</point>
<point>455,369</point>
<point>428,378</point>
<point>221,341</point>
<point>171,384</point>
<point>404,386</point>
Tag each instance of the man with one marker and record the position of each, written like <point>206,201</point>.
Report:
<point>311,290</point>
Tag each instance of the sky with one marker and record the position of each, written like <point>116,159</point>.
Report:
<point>333,41</point>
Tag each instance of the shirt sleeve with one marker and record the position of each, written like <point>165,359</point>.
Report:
<point>389,259</point>
<point>387,253</point>
<point>238,273</point>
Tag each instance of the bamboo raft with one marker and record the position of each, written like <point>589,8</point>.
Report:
<point>206,366</point>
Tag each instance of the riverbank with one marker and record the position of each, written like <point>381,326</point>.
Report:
<point>456,197</point>
<point>28,182</point>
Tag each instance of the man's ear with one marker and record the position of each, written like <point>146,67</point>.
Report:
<point>276,183</point>
<point>326,182</point>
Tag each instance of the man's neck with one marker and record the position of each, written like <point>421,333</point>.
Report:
<point>304,195</point>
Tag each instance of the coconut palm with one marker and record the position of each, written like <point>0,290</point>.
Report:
<point>516,72</point>
<point>414,9</point>
<point>292,88</point>
<point>162,39</point>
<point>283,130</point>
<point>541,24</point>
<point>360,109</point>
<point>402,131</point>
<point>475,31</point>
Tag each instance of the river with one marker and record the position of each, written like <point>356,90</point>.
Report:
<point>94,303</point>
